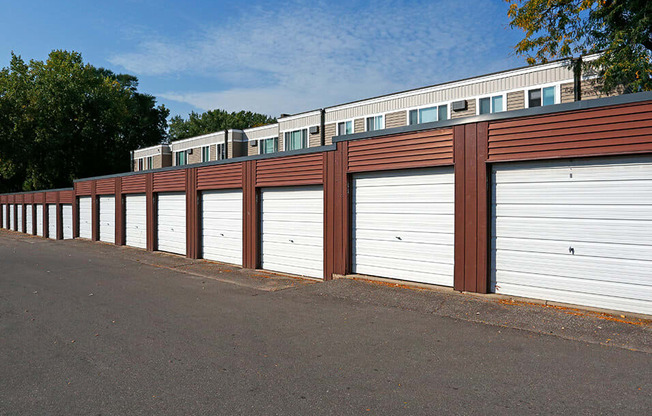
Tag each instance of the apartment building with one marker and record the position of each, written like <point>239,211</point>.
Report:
<point>516,89</point>
<point>153,157</point>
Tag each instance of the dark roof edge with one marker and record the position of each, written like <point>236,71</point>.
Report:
<point>276,155</point>
<point>527,112</point>
<point>38,192</point>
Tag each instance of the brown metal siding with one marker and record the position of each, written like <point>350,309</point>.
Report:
<point>83,188</point>
<point>220,176</point>
<point>170,181</point>
<point>336,213</point>
<point>192,215</point>
<point>421,149</point>
<point>150,212</point>
<point>290,171</point>
<point>471,208</point>
<point>615,130</point>
<point>250,242</point>
<point>51,197</point>
<point>105,186</point>
<point>134,184</point>
<point>39,198</point>
<point>119,214</point>
<point>66,197</point>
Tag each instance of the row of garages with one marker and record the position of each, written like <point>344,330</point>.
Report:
<point>576,230</point>
<point>29,219</point>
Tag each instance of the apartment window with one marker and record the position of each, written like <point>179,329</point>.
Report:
<point>490,104</point>
<point>428,115</point>
<point>150,162</point>
<point>375,123</point>
<point>267,146</point>
<point>205,153</point>
<point>345,127</point>
<point>181,158</point>
<point>140,164</point>
<point>297,139</point>
<point>541,96</point>
<point>221,151</point>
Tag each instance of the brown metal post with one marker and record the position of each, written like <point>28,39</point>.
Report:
<point>119,213</point>
<point>250,238</point>
<point>75,213</point>
<point>150,211</point>
<point>192,223</point>
<point>95,217</point>
<point>46,220</point>
<point>34,215</point>
<point>59,229</point>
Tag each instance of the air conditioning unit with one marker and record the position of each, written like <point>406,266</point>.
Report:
<point>189,151</point>
<point>459,105</point>
<point>253,143</point>
<point>314,129</point>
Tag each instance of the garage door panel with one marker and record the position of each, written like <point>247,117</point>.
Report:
<point>623,212</point>
<point>29,225</point>
<point>136,221</point>
<point>222,226</point>
<point>606,250</point>
<point>52,221</point>
<point>107,219</point>
<point>580,298</point>
<point>602,209</point>
<point>403,225</point>
<point>85,218</point>
<point>562,264</point>
<point>398,222</point>
<point>171,227</point>
<point>579,285</point>
<point>12,219</point>
<point>19,218</point>
<point>66,218</point>
<point>39,221</point>
<point>589,230</point>
<point>292,230</point>
<point>593,193</point>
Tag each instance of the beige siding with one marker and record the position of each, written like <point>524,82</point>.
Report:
<point>329,130</point>
<point>212,153</point>
<point>261,132</point>
<point>252,150</point>
<point>135,166</point>
<point>195,157</point>
<point>236,149</point>
<point>300,122</point>
<point>396,119</point>
<point>470,110</point>
<point>358,125</point>
<point>314,140</point>
<point>198,141</point>
<point>453,91</point>
<point>567,92</point>
<point>515,100</point>
<point>162,161</point>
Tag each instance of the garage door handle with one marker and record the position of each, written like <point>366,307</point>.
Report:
<point>571,250</point>
<point>399,238</point>
<point>222,234</point>
<point>291,241</point>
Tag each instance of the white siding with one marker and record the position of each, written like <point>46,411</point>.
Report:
<point>66,213</point>
<point>403,225</point>
<point>292,230</point>
<point>136,221</point>
<point>575,231</point>
<point>12,219</point>
<point>4,216</point>
<point>222,226</point>
<point>85,217</point>
<point>29,227</point>
<point>107,219</point>
<point>171,225</point>
<point>52,221</point>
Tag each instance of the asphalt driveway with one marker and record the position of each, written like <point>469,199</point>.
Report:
<point>88,328</point>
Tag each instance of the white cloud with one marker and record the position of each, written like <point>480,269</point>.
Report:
<point>308,55</point>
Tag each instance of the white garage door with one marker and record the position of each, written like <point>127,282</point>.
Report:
<point>12,219</point>
<point>39,220</point>
<point>19,218</point>
<point>85,217</point>
<point>403,225</point>
<point>4,216</point>
<point>171,224</point>
<point>575,231</point>
<point>66,212</point>
<point>292,229</point>
<point>52,221</point>
<point>136,221</point>
<point>222,226</point>
<point>107,219</point>
<point>29,225</point>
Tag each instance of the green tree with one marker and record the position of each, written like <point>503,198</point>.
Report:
<point>214,120</point>
<point>621,30</point>
<point>63,119</point>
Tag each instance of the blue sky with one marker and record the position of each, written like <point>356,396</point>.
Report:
<point>269,57</point>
